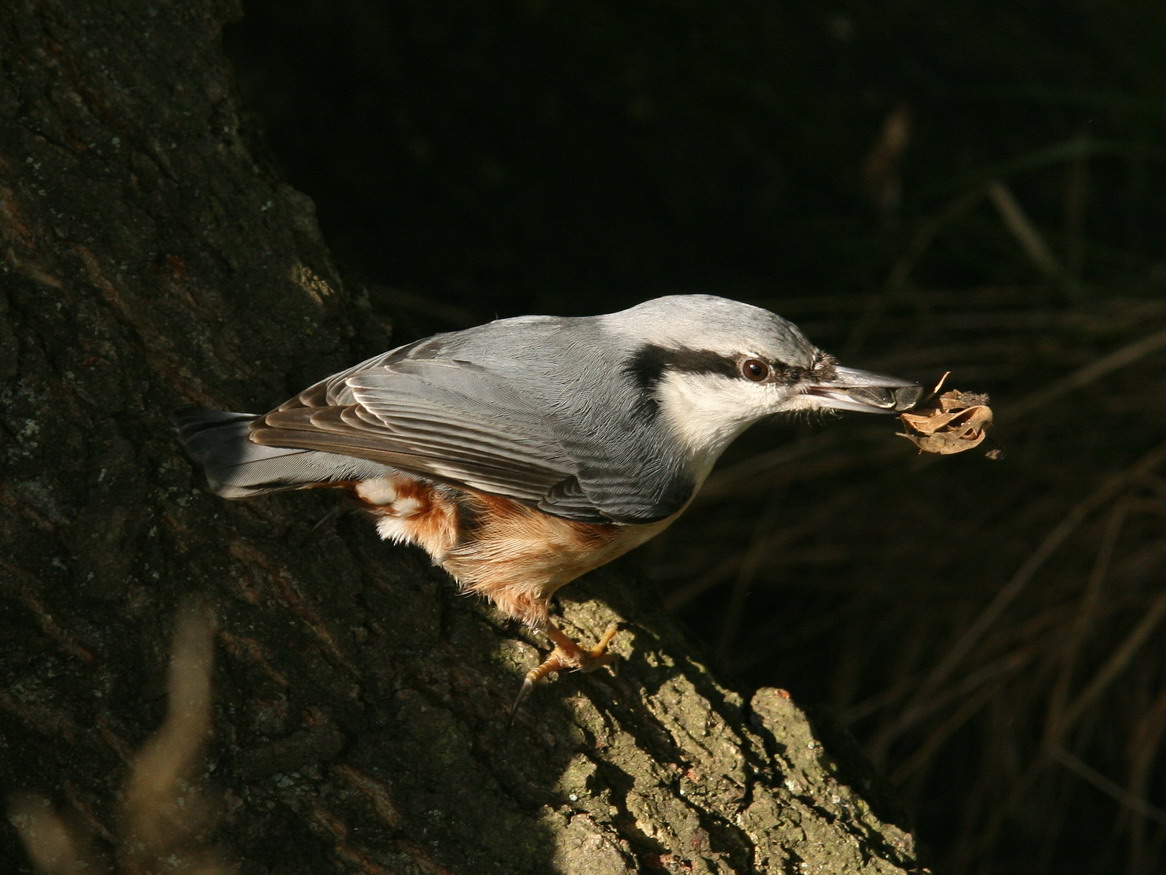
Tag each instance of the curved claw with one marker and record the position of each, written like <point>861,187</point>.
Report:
<point>523,692</point>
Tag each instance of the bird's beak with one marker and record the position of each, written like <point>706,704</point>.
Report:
<point>864,391</point>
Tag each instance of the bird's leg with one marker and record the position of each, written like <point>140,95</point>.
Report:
<point>567,655</point>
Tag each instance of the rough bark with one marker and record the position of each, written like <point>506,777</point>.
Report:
<point>151,261</point>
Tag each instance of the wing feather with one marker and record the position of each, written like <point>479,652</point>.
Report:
<point>458,422</point>
<point>452,421</point>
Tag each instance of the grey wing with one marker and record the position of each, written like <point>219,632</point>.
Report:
<point>450,420</point>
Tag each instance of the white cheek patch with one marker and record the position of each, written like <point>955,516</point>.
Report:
<point>707,412</point>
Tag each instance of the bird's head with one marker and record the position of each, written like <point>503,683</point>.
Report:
<point>709,368</point>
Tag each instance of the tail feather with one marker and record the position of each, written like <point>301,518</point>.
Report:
<point>238,468</point>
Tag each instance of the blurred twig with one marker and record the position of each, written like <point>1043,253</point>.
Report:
<point>1107,785</point>
<point>1120,358</point>
<point>164,817</point>
<point>1031,241</point>
<point>1054,540</point>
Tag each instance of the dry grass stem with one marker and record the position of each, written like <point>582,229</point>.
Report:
<point>1127,355</point>
<point>1052,542</point>
<point>1021,227</point>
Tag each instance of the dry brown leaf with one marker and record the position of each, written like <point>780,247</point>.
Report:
<point>950,423</point>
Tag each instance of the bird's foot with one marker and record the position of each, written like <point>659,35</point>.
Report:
<point>567,656</point>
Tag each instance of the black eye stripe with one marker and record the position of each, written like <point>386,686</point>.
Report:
<point>651,362</point>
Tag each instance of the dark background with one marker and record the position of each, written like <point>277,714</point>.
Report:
<point>921,188</point>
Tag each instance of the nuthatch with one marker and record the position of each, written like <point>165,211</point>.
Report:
<point>523,453</point>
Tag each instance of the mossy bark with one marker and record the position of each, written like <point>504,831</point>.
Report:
<point>151,260</point>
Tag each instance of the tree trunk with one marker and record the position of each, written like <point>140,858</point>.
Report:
<point>151,261</point>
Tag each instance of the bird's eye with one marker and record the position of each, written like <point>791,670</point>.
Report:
<point>754,370</point>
